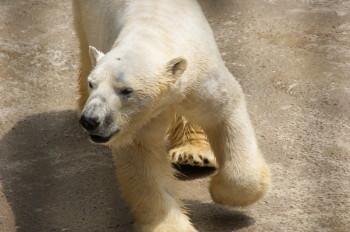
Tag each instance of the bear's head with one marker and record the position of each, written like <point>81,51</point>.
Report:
<point>125,94</point>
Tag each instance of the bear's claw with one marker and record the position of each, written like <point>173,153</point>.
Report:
<point>194,155</point>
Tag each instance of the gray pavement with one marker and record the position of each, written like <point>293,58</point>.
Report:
<point>292,58</point>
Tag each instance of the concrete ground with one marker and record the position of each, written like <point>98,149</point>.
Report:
<point>292,58</point>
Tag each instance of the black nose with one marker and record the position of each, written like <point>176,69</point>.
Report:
<point>89,123</point>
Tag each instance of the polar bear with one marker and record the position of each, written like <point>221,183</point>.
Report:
<point>187,142</point>
<point>151,65</point>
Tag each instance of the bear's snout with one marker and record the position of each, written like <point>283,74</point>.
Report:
<point>89,123</point>
<point>97,120</point>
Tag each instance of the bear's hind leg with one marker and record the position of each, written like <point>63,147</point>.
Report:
<point>85,69</point>
<point>85,64</point>
<point>188,144</point>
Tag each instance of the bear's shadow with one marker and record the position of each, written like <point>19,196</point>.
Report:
<point>56,180</point>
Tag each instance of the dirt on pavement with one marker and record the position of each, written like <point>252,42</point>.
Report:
<point>292,58</point>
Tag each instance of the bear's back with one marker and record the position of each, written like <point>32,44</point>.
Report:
<point>181,24</point>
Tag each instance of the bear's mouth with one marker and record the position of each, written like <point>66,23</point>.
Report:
<point>102,139</point>
<point>99,139</point>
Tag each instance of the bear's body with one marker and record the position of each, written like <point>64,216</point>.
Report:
<point>165,51</point>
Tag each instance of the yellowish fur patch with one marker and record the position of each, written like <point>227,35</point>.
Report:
<point>188,144</point>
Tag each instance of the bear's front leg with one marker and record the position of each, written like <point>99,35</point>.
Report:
<point>243,176</point>
<point>145,178</point>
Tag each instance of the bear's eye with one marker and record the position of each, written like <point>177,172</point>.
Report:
<point>91,86</point>
<point>126,91</point>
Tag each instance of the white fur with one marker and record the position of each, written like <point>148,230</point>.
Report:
<point>166,51</point>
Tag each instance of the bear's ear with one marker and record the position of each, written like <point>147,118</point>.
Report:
<point>176,67</point>
<point>95,55</point>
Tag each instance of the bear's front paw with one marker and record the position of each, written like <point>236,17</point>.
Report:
<point>194,155</point>
<point>238,189</point>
